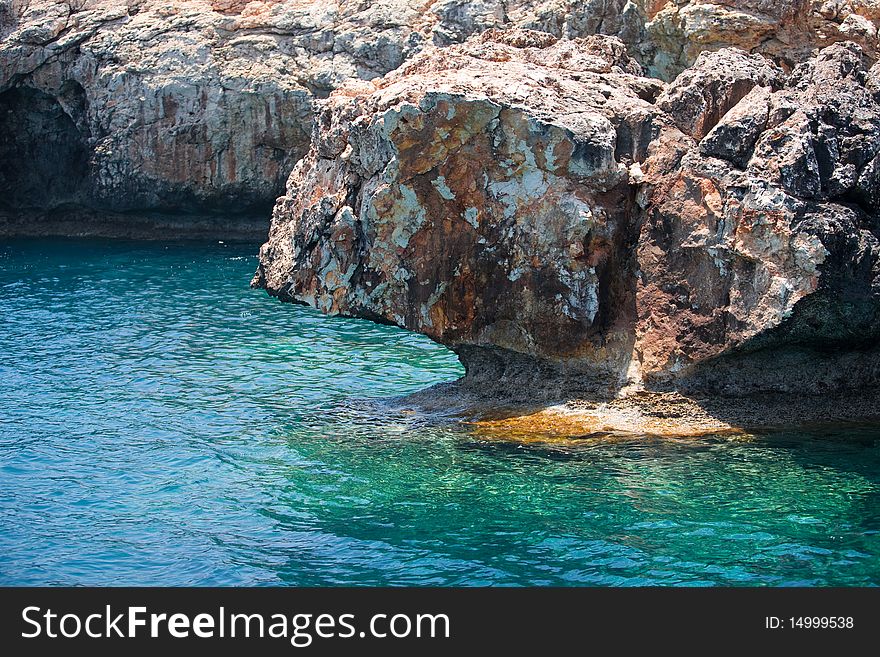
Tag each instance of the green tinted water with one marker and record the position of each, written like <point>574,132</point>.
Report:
<point>161,423</point>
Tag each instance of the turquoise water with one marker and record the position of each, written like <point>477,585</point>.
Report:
<point>161,423</point>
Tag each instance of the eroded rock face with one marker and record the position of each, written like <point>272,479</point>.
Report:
<point>48,139</point>
<point>481,196</point>
<point>173,114</point>
<point>765,239</point>
<point>548,213</point>
<point>203,107</point>
<point>716,83</point>
<point>786,31</point>
<point>193,107</point>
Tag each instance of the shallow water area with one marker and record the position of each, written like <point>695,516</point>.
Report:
<point>162,423</point>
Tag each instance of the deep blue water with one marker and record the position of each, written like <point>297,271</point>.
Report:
<point>161,423</point>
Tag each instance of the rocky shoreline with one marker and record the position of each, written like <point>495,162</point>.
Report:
<point>561,221</point>
<point>662,215</point>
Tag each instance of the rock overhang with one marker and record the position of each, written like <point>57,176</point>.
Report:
<point>510,207</point>
<point>484,208</point>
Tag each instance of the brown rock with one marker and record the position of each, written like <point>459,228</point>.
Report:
<point>532,209</point>
<point>786,31</point>
<point>767,278</point>
<point>480,196</point>
<point>701,95</point>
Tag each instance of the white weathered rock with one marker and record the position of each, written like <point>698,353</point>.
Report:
<point>204,107</point>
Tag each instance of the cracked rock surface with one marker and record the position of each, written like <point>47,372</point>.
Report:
<point>759,251</point>
<point>548,213</point>
<point>201,108</point>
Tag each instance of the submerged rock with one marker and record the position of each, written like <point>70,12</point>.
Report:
<point>552,216</point>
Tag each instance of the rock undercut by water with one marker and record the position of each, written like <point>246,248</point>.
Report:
<point>558,219</point>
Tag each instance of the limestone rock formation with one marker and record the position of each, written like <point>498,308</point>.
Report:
<point>759,255</point>
<point>550,214</point>
<point>160,109</point>
<point>190,107</point>
<point>787,31</point>
<point>198,107</point>
<point>479,195</point>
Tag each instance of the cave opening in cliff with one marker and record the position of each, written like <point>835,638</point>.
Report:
<point>43,154</point>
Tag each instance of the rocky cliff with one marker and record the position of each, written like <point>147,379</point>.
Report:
<point>758,252</point>
<point>586,198</point>
<point>193,111</point>
<point>554,216</point>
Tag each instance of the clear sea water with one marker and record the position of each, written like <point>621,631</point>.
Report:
<point>163,424</point>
